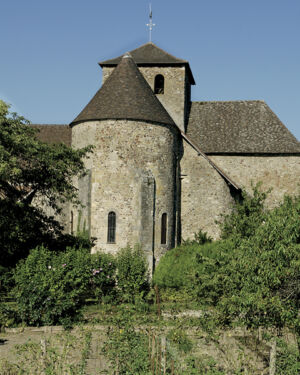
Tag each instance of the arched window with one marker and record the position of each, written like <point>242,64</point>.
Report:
<point>72,222</point>
<point>164,229</point>
<point>159,84</point>
<point>111,227</point>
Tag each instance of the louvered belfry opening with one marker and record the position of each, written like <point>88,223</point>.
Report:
<point>164,229</point>
<point>159,84</point>
<point>111,227</point>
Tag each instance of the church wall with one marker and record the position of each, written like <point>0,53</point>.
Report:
<point>281,173</point>
<point>175,98</point>
<point>205,195</point>
<point>132,174</point>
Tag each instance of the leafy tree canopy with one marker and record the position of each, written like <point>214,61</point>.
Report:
<point>31,171</point>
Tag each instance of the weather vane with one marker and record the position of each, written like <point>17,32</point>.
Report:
<point>150,24</point>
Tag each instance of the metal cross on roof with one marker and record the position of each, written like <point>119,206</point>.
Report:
<point>150,24</point>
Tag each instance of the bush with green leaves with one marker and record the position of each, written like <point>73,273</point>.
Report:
<point>200,238</point>
<point>51,287</point>
<point>247,215</point>
<point>256,280</point>
<point>126,347</point>
<point>179,268</point>
<point>132,274</point>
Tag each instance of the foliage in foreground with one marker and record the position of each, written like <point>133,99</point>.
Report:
<point>51,288</point>
<point>252,277</point>
<point>31,171</point>
<point>132,274</point>
<point>176,268</point>
<point>54,356</point>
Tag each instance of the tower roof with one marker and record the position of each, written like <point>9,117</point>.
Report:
<point>150,55</point>
<point>125,95</point>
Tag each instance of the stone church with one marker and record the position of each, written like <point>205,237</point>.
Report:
<point>164,167</point>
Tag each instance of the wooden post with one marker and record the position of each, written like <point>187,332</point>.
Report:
<point>157,301</point>
<point>164,354</point>
<point>149,345</point>
<point>153,355</point>
<point>44,353</point>
<point>272,369</point>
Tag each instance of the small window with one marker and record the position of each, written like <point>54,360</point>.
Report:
<point>72,222</point>
<point>164,229</point>
<point>159,84</point>
<point>111,228</point>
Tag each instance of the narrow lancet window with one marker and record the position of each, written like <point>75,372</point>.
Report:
<point>164,229</point>
<point>111,227</point>
<point>159,84</point>
<point>72,222</point>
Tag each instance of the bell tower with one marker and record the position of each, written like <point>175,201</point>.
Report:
<point>169,77</point>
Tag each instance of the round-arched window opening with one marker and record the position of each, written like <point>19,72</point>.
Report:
<point>163,229</point>
<point>111,227</point>
<point>159,84</point>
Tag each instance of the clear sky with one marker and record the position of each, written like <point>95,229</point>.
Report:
<point>237,49</point>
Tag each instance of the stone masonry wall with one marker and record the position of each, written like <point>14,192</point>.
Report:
<point>175,97</point>
<point>281,173</point>
<point>205,195</point>
<point>133,175</point>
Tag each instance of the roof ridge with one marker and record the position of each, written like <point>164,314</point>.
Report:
<point>32,124</point>
<point>230,101</point>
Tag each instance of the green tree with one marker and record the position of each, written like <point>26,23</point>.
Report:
<point>256,280</point>
<point>247,215</point>
<point>32,170</point>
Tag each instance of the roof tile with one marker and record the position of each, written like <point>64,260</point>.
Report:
<point>125,95</point>
<point>239,127</point>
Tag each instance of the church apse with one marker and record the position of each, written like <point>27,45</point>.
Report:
<point>133,175</point>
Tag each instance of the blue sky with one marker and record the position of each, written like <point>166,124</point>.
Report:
<point>237,49</point>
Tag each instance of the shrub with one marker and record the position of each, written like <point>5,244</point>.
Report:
<point>200,238</point>
<point>178,268</point>
<point>50,288</point>
<point>9,316</point>
<point>103,280</point>
<point>246,216</point>
<point>132,274</point>
<point>126,348</point>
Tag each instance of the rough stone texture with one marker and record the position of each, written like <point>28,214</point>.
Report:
<point>204,195</point>
<point>176,92</point>
<point>280,173</point>
<point>133,173</point>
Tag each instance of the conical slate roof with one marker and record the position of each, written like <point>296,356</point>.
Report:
<point>125,95</point>
<point>150,55</point>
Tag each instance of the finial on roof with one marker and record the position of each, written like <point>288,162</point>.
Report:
<point>150,24</point>
<point>127,55</point>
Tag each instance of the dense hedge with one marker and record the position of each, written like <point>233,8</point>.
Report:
<point>252,276</point>
<point>51,288</point>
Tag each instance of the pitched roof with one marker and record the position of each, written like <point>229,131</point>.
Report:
<point>53,133</point>
<point>239,127</point>
<point>148,55</point>
<point>125,95</point>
